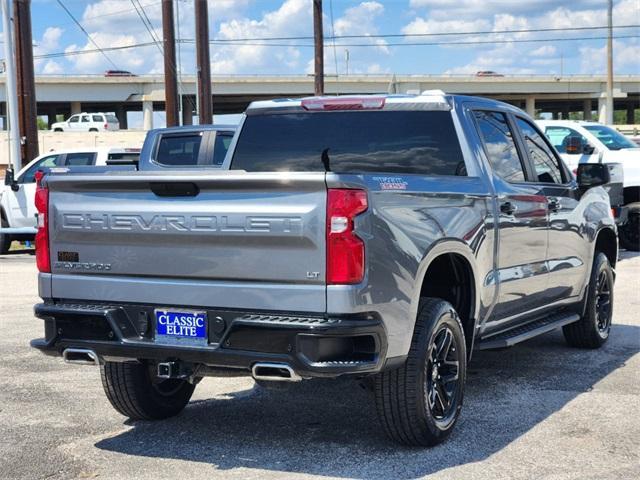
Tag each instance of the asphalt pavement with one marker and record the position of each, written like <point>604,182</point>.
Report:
<point>539,410</point>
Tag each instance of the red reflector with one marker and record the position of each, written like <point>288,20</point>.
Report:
<point>345,251</point>
<point>43,259</point>
<point>343,103</point>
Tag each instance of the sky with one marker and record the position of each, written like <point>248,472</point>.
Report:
<point>116,23</point>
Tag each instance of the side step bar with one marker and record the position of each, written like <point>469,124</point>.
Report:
<point>525,332</point>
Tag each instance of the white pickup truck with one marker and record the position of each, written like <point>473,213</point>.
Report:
<point>591,142</point>
<point>17,209</point>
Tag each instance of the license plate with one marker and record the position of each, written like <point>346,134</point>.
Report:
<point>181,327</point>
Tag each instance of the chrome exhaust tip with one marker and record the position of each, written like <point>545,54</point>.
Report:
<point>80,356</point>
<point>274,372</point>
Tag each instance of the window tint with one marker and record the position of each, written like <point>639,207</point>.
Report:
<point>544,161</point>
<point>74,119</point>
<point>179,150</point>
<point>85,118</point>
<point>563,137</point>
<point>124,156</point>
<point>220,150</point>
<point>613,139</point>
<point>29,175</point>
<point>417,142</point>
<point>500,146</point>
<point>80,159</point>
<point>112,119</point>
<point>97,118</point>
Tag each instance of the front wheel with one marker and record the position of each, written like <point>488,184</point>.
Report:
<point>136,392</point>
<point>5,238</point>
<point>592,330</point>
<point>420,402</point>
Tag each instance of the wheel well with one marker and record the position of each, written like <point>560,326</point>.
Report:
<point>450,278</point>
<point>607,243</point>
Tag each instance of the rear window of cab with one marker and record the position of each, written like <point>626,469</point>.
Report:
<point>410,142</point>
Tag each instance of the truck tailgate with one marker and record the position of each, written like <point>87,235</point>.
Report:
<point>190,239</point>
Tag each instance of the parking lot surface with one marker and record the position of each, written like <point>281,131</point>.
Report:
<point>537,410</point>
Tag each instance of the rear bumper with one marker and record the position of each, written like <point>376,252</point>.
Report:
<point>312,346</point>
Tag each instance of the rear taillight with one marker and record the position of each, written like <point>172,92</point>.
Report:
<point>345,251</point>
<point>106,126</point>
<point>43,259</point>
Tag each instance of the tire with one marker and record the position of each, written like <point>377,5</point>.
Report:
<point>407,397</point>
<point>134,390</point>
<point>58,130</point>
<point>5,238</point>
<point>93,129</point>
<point>629,233</point>
<point>592,330</point>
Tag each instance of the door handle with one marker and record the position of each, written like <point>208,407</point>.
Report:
<point>554,205</point>
<point>508,208</point>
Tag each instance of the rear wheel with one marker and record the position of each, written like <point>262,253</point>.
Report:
<point>57,130</point>
<point>420,402</point>
<point>629,233</point>
<point>5,238</point>
<point>136,392</point>
<point>592,330</point>
<point>93,129</point>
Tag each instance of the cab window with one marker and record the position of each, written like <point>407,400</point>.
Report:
<point>74,119</point>
<point>545,163</point>
<point>86,118</point>
<point>80,159</point>
<point>566,140</point>
<point>29,175</point>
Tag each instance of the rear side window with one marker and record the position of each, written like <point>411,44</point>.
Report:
<point>112,119</point>
<point>124,156</point>
<point>419,142</point>
<point>220,149</point>
<point>97,118</point>
<point>178,150</point>
<point>500,146</point>
<point>80,159</point>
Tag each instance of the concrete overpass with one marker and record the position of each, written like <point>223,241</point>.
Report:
<point>64,95</point>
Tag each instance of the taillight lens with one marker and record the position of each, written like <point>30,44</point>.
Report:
<point>345,251</point>
<point>43,259</point>
<point>106,126</point>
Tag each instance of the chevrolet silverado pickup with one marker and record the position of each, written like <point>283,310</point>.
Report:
<point>379,237</point>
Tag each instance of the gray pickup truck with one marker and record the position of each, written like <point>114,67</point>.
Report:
<point>381,237</point>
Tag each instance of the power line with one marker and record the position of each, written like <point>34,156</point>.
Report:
<point>408,35</point>
<point>147,24</point>
<point>474,42</point>
<point>87,34</point>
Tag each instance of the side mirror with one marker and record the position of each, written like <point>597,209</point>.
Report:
<point>10,181</point>
<point>588,149</point>
<point>574,146</point>
<point>592,175</point>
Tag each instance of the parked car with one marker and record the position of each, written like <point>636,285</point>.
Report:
<point>88,122</point>
<point>590,142</point>
<point>17,209</point>
<point>380,237</point>
<point>488,73</point>
<point>119,73</point>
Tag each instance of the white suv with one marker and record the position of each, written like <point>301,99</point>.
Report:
<point>88,122</point>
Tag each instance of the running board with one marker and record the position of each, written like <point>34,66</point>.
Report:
<point>525,332</point>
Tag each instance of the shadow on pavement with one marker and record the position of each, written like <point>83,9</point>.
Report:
<point>330,428</point>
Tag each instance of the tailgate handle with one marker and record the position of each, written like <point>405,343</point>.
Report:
<point>174,189</point>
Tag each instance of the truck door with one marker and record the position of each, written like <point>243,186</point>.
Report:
<point>21,203</point>
<point>568,252</point>
<point>522,221</point>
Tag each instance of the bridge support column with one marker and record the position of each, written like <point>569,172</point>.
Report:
<point>586,109</point>
<point>147,115</point>
<point>631,110</point>
<point>121,114</point>
<point>530,103</point>
<point>187,111</point>
<point>51,115</point>
<point>602,110</point>
<point>76,107</point>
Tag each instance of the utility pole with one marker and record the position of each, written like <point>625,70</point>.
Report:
<point>10,84</point>
<point>26,88</point>
<point>609,99</point>
<point>170,71</point>
<point>319,47</point>
<point>205,107</point>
